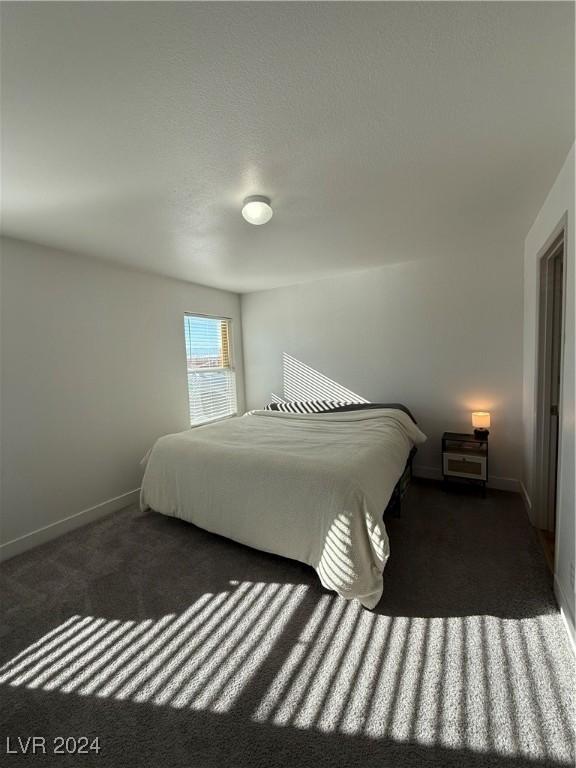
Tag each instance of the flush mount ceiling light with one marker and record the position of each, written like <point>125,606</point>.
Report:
<point>257,209</point>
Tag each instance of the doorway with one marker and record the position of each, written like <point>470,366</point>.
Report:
<point>550,344</point>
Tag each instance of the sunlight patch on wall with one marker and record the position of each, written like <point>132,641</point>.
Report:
<point>301,382</point>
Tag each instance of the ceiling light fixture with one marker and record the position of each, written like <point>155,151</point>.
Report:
<point>257,209</point>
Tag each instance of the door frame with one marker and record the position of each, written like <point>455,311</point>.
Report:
<point>556,241</point>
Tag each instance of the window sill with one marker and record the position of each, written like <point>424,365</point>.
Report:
<point>214,421</point>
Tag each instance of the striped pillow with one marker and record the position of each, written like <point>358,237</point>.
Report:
<point>306,406</point>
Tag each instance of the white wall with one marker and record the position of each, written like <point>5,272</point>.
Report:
<point>560,201</point>
<point>93,370</point>
<point>442,336</point>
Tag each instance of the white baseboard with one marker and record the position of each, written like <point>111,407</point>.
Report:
<point>566,611</point>
<point>498,483</point>
<point>52,531</point>
<point>526,498</point>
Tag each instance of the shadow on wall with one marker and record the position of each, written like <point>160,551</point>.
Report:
<point>301,382</point>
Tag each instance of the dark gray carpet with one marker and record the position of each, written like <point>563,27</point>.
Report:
<point>179,648</point>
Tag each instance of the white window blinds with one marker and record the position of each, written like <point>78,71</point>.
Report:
<point>211,379</point>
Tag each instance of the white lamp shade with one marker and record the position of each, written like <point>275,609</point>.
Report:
<point>257,210</point>
<point>481,420</point>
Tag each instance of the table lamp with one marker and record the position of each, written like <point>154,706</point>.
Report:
<point>481,422</point>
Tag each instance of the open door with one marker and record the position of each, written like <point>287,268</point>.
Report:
<point>550,343</point>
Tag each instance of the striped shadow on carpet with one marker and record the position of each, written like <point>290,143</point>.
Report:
<point>267,668</point>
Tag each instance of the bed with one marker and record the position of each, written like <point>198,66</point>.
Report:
<point>311,487</point>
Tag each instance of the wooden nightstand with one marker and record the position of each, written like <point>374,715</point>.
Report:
<point>465,457</point>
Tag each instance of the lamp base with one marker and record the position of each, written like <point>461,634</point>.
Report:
<point>481,434</point>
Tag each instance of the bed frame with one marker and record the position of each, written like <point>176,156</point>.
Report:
<point>394,508</point>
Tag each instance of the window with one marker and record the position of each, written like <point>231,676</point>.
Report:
<point>211,378</point>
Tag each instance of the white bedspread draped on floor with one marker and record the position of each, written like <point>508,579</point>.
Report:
<point>309,487</point>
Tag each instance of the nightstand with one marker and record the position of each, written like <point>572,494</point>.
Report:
<point>465,457</point>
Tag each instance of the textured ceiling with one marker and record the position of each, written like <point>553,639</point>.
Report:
<point>381,131</point>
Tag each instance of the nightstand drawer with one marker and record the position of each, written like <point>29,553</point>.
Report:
<point>462,465</point>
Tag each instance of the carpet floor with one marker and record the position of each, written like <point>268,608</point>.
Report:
<point>178,648</point>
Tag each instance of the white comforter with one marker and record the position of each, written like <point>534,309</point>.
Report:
<point>309,487</point>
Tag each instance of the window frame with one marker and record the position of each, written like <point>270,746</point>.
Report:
<point>231,367</point>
